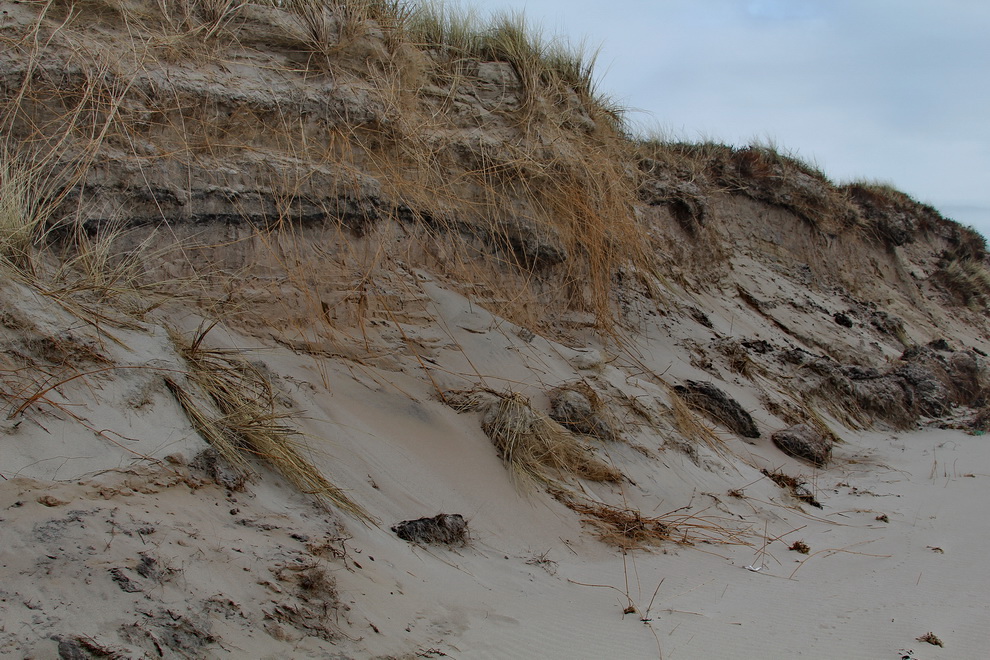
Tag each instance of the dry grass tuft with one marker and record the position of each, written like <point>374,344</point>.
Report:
<point>535,448</point>
<point>737,358</point>
<point>248,424</point>
<point>968,281</point>
<point>629,529</point>
<point>19,211</point>
<point>544,65</point>
<point>330,25</point>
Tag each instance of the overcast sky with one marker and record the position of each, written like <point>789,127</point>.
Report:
<point>889,90</point>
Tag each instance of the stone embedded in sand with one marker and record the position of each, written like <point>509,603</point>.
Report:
<point>442,529</point>
<point>969,377</point>
<point>83,647</point>
<point>580,412</point>
<point>930,396</point>
<point>842,319</point>
<point>720,406</point>
<point>50,500</point>
<point>588,359</point>
<point>940,378</point>
<point>802,441</point>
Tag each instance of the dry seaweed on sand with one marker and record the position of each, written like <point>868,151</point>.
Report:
<point>796,488</point>
<point>533,446</point>
<point>628,528</point>
<point>248,423</point>
<point>441,529</point>
<point>932,639</point>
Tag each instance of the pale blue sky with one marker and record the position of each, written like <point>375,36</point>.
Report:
<point>893,90</point>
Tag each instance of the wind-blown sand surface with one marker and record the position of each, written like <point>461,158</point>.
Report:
<point>143,557</point>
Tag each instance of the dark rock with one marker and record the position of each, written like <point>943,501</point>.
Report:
<point>887,324</point>
<point>802,441</point>
<point>943,378</point>
<point>579,409</point>
<point>931,397</point>
<point>928,382</point>
<point>700,317</point>
<point>842,320</point>
<point>939,345</point>
<point>968,374</point>
<point>912,352</point>
<point>442,529</point>
<point>722,408</point>
<point>820,365</point>
<point>796,356</point>
<point>72,649</point>
<point>888,397</point>
<point>759,346</point>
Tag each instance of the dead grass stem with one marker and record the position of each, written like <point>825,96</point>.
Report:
<point>629,529</point>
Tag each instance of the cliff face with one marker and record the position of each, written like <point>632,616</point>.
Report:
<point>365,222</point>
<point>253,125</point>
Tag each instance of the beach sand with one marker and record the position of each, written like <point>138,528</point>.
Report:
<point>113,543</point>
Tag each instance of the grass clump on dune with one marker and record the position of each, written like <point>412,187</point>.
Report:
<point>542,63</point>
<point>968,280</point>
<point>536,449</point>
<point>19,219</point>
<point>241,420</point>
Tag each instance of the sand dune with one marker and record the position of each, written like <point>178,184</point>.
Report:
<point>279,278</point>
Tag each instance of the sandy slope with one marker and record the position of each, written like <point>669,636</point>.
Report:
<point>109,547</point>
<point>392,237</point>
